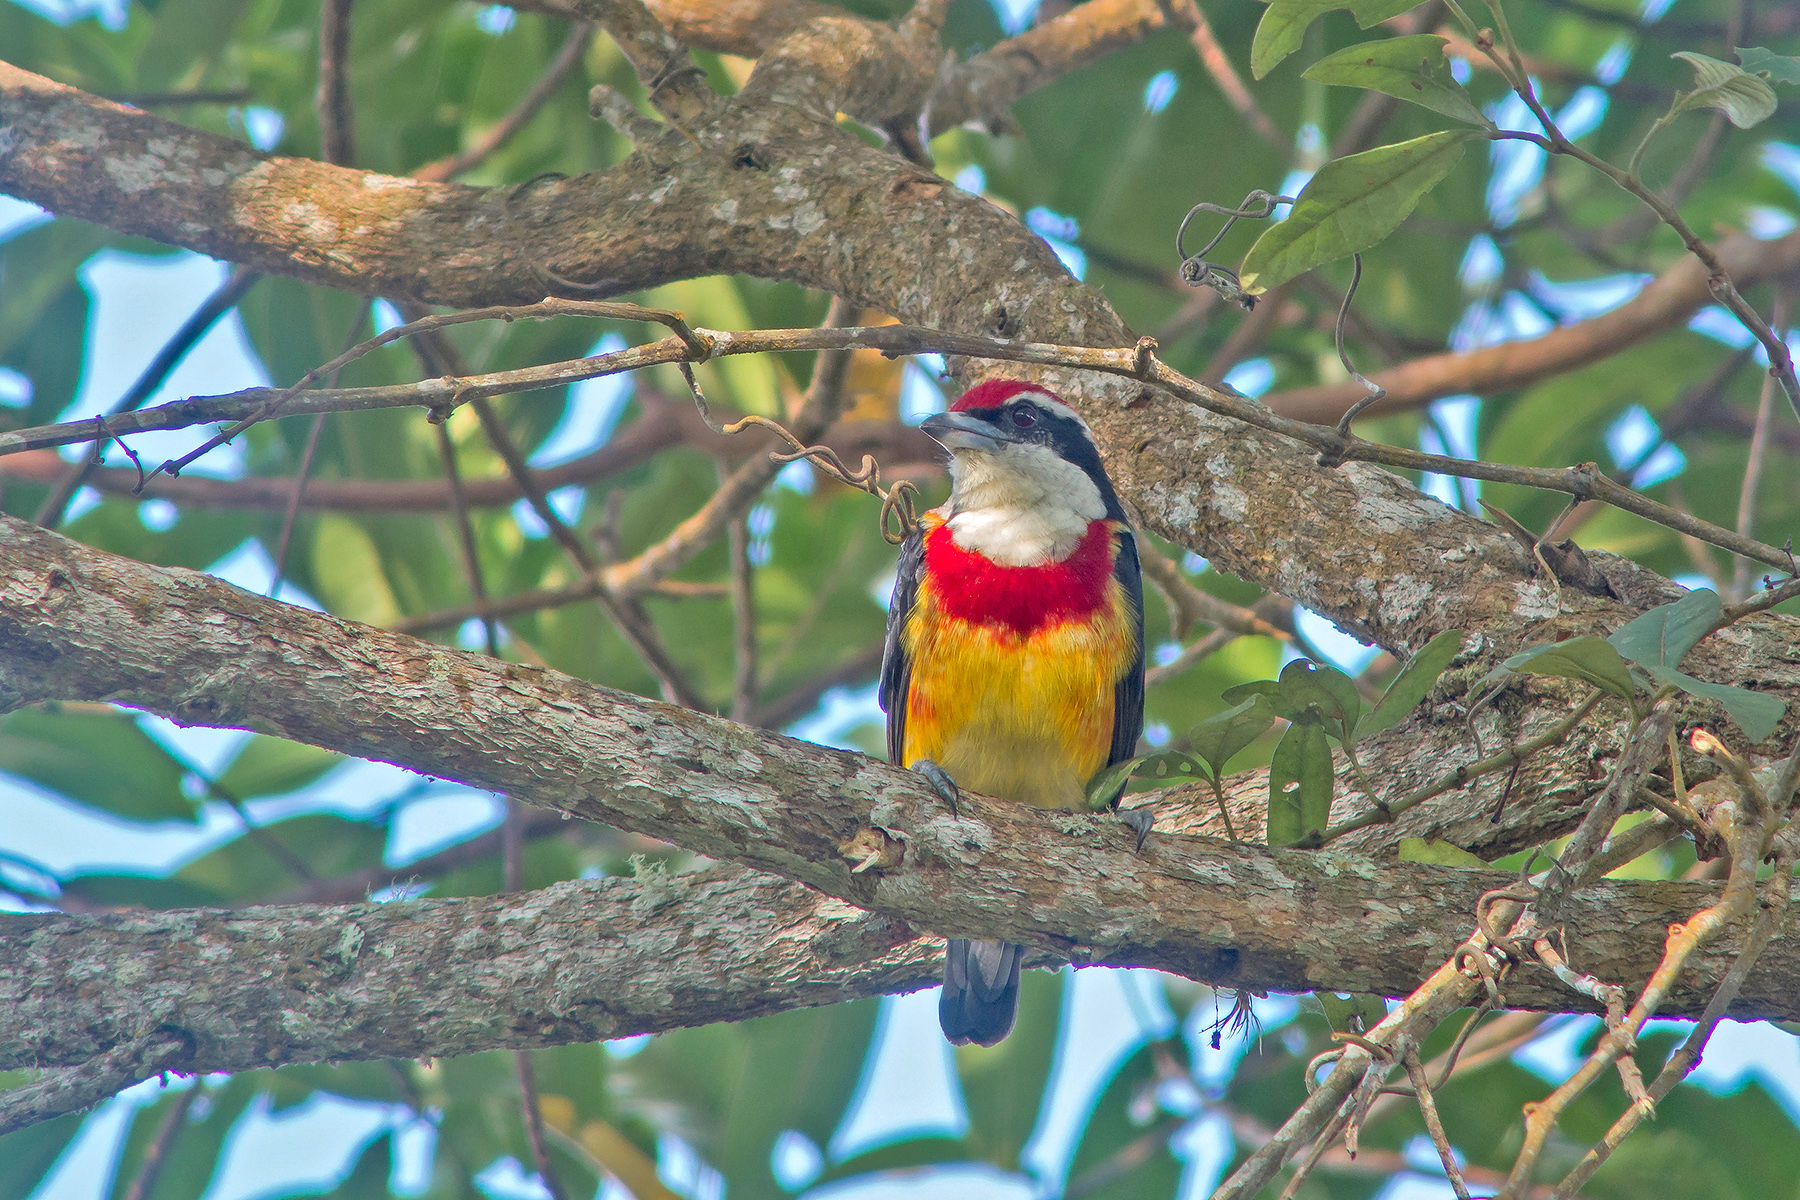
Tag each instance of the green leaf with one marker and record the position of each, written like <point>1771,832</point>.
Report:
<point>1755,713</point>
<point>1407,68</point>
<point>1109,784</point>
<point>1664,635</point>
<point>1586,658</point>
<point>1170,764</point>
<point>1357,1012</point>
<point>1413,684</point>
<point>1165,765</point>
<point>1745,98</point>
<point>271,766</point>
<point>1351,204</point>
<point>1268,689</point>
<point>1778,67</point>
<point>1323,689</point>
<point>1219,737</point>
<point>1284,22</point>
<point>1300,784</point>
<point>99,758</point>
<point>1438,852</point>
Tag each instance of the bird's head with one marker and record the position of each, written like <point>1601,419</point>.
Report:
<point>1021,443</point>
<point>1016,448</point>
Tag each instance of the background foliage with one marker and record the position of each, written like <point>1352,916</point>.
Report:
<point>1104,164</point>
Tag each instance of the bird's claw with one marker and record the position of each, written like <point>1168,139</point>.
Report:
<point>941,783</point>
<point>1140,820</point>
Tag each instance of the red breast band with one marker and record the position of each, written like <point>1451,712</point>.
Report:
<point>970,586</point>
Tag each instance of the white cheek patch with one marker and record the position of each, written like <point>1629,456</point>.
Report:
<point>1023,507</point>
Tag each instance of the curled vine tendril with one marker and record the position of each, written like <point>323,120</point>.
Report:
<point>899,503</point>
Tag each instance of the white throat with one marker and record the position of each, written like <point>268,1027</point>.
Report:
<point>1022,507</point>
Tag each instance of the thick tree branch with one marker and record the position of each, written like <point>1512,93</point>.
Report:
<point>810,203</point>
<point>77,623</point>
<point>574,962</point>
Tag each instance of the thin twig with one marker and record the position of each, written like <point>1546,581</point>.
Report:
<point>534,1125</point>
<point>631,622</point>
<point>465,535</point>
<point>304,472</point>
<point>143,1184</point>
<point>223,298</point>
<point>289,518</point>
<point>1434,1124</point>
<point>1461,776</point>
<point>1218,65</point>
<point>1138,362</point>
<point>743,618</point>
<point>1759,444</point>
<point>337,122</point>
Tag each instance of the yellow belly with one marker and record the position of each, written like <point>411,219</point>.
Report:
<point>1025,718</point>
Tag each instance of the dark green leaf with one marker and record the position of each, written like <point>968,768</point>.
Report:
<point>1107,786</point>
<point>1219,737</point>
<point>1323,689</point>
<point>1413,683</point>
<point>1269,689</point>
<point>1300,784</point>
<point>1586,658</point>
<point>1756,714</point>
<point>1284,22</point>
<point>1170,764</point>
<point>1778,67</point>
<point>1664,635</point>
<point>1745,98</point>
<point>1408,68</point>
<point>1439,852</point>
<point>1351,204</point>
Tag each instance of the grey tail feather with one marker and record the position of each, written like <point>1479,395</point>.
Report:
<point>981,991</point>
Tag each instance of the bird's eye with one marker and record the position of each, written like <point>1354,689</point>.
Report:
<point>1024,418</point>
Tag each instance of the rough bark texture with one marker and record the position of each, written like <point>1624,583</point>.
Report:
<point>574,962</point>
<point>768,185</point>
<point>771,192</point>
<point>581,961</point>
<point>82,624</point>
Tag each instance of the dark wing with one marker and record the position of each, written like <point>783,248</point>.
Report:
<point>1128,697</point>
<point>896,667</point>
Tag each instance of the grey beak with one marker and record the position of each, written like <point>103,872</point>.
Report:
<point>959,431</point>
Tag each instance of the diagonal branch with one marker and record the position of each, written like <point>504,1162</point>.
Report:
<point>1665,303</point>
<point>78,623</point>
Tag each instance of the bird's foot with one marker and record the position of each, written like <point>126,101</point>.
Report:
<point>941,783</point>
<point>1140,820</point>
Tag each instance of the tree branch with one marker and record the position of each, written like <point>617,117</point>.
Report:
<point>77,623</point>
<point>1665,303</point>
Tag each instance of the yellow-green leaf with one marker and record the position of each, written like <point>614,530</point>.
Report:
<point>1439,853</point>
<point>1744,98</point>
